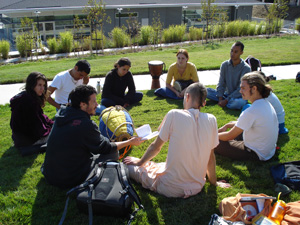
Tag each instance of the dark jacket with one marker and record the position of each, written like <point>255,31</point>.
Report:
<point>115,86</point>
<point>28,121</point>
<point>73,140</point>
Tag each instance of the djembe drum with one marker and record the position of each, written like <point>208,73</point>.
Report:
<point>156,68</point>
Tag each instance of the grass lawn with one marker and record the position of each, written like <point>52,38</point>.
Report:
<point>26,198</point>
<point>272,51</point>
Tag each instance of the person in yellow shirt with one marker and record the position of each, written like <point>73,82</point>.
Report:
<point>182,73</point>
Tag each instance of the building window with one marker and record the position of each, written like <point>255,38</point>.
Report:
<point>127,15</point>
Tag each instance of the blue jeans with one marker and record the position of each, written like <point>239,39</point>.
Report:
<point>99,109</point>
<point>233,103</point>
<point>166,93</point>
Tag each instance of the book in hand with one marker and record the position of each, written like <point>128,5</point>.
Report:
<point>145,132</point>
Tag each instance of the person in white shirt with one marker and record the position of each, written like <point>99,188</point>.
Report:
<point>254,135</point>
<point>275,102</point>
<point>192,136</point>
<point>64,82</point>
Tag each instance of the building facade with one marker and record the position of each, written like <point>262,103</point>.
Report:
<point>53,17</point>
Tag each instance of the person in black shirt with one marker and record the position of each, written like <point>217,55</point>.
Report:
<point>116,82</point>
<point>76,144</point>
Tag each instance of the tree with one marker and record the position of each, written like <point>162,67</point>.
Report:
<point>134,28</point>
<point>277,11</point>
<point>157,27</point>
<point>26,39</point>
<point>78,26</point>
<point>209,15</point>
<point>96,18</point>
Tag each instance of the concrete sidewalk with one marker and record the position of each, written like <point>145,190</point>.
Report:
<point>143,82</point>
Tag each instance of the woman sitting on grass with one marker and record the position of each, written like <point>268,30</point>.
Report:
<point>116,82</point>
<point>183,73</point>
<point>30,126</point>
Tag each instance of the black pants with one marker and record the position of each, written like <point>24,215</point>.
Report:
<point>236,149</point>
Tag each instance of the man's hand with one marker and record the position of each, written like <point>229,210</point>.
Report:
<point>125,105</point>
<point>135,141</point>
<point>223,102</point>
<point>222,129</point>
<point>86,79</point>
<point>132,161</point>
<point>223,184</point>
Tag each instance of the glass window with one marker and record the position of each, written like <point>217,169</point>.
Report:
<point>127,15</point>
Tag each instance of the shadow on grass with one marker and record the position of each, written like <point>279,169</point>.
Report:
<point>49,206</point>
<point>252,176</point>
<point>12,169</point>
<point>171,211</point>
<point>233,112</point>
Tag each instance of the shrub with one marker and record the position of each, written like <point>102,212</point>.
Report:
<point>146,37</point>
<point>52,45</point>
<point>195,33</point>
<point>252,28</point>
<point>24,44</point>
<point>297,24</point>
<point>231,29</point>
<point>243,27</point>
<point>4,49</point>
<point>86,44</point>
<point>218,30</point>
<point>174,33</point>
<point>261,28</point>
<point>100,35</point>
<point>65,42</point>
<point>277,25</point>
<point>120,38</point>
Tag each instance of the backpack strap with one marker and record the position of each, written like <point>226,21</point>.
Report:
<point>89,202</point>
<point>130,190</point>
<point>89,183</point>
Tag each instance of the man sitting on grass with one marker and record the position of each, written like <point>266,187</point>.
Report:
<point>192,135</point>
<point>227,92</point>
<point>254,135</point>
<point>75,142</point>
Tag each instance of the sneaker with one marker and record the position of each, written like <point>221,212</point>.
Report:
<point>285,190</point>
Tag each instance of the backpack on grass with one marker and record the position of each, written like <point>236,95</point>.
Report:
<point>288,174</point>
<point>298,77</point>
<point>107,191</point>
<point>254,63</point>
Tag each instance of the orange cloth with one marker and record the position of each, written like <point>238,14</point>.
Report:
<point>232,210</point>
<point>292,214</point>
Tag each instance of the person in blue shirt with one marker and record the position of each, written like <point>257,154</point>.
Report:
<point>231,71</point>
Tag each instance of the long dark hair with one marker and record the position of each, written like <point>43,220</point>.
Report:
<point>123,62</point>
<point>31,82</point>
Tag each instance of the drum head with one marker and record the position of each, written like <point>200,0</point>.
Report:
<point>155,62</point>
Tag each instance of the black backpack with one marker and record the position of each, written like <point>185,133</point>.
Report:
<point>298,77</point>
<point>288,174</point>
<point>253,63</point>
<point>107,191</point>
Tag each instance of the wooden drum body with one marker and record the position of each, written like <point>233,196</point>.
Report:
<point>156,68</point>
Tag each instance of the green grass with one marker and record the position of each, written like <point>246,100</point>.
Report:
<point>26,198</point>
<point>271,51</point>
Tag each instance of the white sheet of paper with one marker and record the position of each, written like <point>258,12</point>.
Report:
<point>145,132</point>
